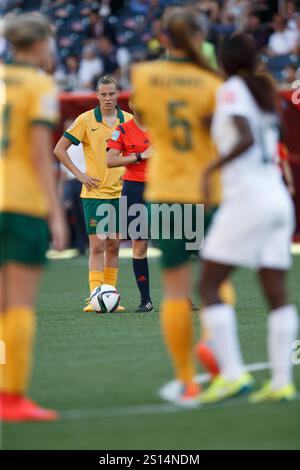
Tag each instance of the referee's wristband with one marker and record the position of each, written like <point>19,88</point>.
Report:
<point>138,156</point>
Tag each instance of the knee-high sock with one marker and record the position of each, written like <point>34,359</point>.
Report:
<point>220,320</point>
<point>111,276</point>
<point>17,332</point>
<point>282,332</point>
<point>95,279</point>
<point>177,327</point>
<point>228,296</point>
<point>141,272</point>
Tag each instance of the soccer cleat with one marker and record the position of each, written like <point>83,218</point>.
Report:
<point>120,309</point>
<point>181,394</point>
<point>88,307</point>
<point>194,307</point>
<point>221,389</point>
<point>190,392</point>
<point>286,393</point>
<point>205,355</point>
<point>16,408</point>
<point>145,306</point>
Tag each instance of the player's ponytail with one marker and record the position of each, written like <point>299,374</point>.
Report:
<point>239,57</point>
<point>180,25</point>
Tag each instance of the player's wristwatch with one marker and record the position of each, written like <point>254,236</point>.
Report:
<point>138,156</point>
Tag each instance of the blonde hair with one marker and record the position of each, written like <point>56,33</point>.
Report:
<point>180,24</point>
<point>23,30</point>
<point>107,80</point>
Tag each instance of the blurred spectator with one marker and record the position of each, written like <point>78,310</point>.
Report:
<point>211,8</point>
<point>290,14</point>
<point>113,58</point>
<point>290,74</point>
<point>283,41</point>
<point>67,77</point>
<point>139,7</point>
<point>259,32</point>
<point>90,68</point>
<point>154,47</point>
<point>99,27</point>
<point>237,9</point>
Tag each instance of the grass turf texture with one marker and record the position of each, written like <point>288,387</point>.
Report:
<point>115,363</point>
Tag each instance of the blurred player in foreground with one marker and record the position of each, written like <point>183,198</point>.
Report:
<point>100,185</point>
<point>246,131</point>
<point>176,98</point>
<point>28,111</point>
<point>130,140</point>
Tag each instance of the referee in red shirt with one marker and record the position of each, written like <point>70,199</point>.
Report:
<point>129,146</point>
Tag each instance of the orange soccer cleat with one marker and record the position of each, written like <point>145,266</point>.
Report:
<point>190,391</point>
<point>16,408</point>
<point>206,358</point>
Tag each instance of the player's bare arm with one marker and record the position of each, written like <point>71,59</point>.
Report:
<point>114,158</point>
<point>61,153</point>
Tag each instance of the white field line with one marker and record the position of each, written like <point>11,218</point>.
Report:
<point>159,408</point>
<point>126,253</point>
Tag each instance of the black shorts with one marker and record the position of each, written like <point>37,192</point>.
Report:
<point>134,223</point>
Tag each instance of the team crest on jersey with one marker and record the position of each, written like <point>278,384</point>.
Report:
<point>93,222</point>
<point>115,135</point>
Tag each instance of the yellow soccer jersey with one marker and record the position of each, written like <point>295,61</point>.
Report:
<point>174,97</point>
<point>91,129</point>
<point>27,97</point>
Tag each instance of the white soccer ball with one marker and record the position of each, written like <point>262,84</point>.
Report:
<point>105,299</point>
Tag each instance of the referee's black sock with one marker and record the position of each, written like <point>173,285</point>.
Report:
<point>141,272</point>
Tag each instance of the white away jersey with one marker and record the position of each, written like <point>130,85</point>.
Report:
<point>256,170</point>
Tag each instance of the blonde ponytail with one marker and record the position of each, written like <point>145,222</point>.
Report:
<point>180,24</point>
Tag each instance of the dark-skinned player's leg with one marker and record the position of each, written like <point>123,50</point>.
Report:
<point>220,320</point>
<point>282,332</point>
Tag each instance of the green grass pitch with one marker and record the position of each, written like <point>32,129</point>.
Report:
<point>108,368</point>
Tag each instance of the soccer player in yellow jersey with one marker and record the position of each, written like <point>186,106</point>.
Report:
<point>100,185</point>
<point>176,98</point>
<point>28,110</point>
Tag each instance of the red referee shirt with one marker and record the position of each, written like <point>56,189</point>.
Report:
<point>128,138</point>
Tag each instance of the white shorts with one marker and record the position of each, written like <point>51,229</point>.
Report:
<point>252,231</point>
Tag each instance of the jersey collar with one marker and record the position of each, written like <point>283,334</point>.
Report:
<point>98,114</point>
<point>21,64</point>
<point>171,58</point>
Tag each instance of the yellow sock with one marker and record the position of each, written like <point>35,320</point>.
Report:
<point>111,276</point>
<point>17,332</point>
<point>95,279</point>
<point>227,293</point>
<point>177,327</point>
<point>2,350</point>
